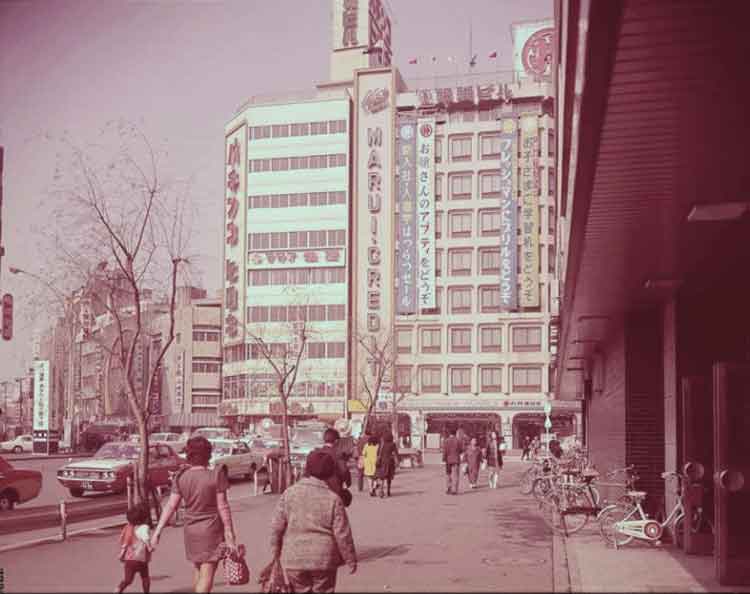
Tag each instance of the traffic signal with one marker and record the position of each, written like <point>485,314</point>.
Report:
<point>7,316</point>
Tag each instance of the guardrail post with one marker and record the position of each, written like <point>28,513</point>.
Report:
<point>129,490</point>
<point>63,520</point>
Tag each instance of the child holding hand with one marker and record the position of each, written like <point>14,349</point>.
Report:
<point>135,548</point>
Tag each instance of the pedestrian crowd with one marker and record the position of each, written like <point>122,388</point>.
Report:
<point>462,455</point>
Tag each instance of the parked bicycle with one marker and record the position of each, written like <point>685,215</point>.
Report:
<point>571,501</point>
<point>621,522</point>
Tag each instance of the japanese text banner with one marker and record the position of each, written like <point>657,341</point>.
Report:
<point>406,298</point>
<point>426,213</point>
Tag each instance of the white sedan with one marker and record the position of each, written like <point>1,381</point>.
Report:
<point>22,443</point>
<point>236,457</point>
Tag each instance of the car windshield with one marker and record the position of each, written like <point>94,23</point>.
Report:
<point>308,436</point>
<point>117,450</point>
<point>162,437</point>
<point>212,433</point>
<point>220,450</point>
<point>266,443</point>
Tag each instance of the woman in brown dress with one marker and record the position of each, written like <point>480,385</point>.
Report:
<point>208,519</point>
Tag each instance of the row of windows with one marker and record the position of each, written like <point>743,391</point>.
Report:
<point>297,276</point>
<point>293,313</point>
<point>206,399</point>
<point>294,163</point>
<point>295,200</point>
<point>488,378</point>
<point>203,336</point>
<point>258,385</point>
<point>206,367</point>
<point>460,184</point>
<point>460,222</point>
<point>460,339</point>
<point>460,300</point>
<point>462,146</point>
<point>300,129</point>
<point>282,240</point>
<point>283,350</point>
<point>460,261</point>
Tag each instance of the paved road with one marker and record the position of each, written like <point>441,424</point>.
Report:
<point>418,540</point>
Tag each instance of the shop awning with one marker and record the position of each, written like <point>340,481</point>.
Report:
<point>196,419</point>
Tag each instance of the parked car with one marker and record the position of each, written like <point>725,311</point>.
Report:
<point>305,440</point>
<point>236,457</point>
<point>17,485</point>
<point>21,443</point>
<point>96,435</point>
<point>110,466</point>
<point>176,440</point>
<point>213,433</point>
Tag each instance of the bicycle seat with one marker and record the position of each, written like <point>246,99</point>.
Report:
<point>637,494</point>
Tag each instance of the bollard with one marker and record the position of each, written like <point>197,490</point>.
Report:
<point>63,520</point>
<point>129,489</point>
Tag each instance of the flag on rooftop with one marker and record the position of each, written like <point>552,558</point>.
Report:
<point>412,60</point>
<point>473,61</point>
<point>493,54</point>
<point>434,59</point>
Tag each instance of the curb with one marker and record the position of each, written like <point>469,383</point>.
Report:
<point>22,457</point>
<point>561,581</point>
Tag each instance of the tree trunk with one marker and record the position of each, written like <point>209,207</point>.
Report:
<point>286,466</point>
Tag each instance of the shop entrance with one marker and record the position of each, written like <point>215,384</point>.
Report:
<point>471,424</point>
<point>532,425</point>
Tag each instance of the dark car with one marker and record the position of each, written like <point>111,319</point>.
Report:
<point>110,467</point>
<point>96,435</point>
<point>17,485</point>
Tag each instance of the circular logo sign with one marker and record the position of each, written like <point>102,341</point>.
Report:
<point>537,52</point>
<point>407,132</point>
<point>426,130</point>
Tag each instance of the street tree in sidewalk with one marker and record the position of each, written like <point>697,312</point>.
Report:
<point>121,234</point>
<point>376,359</point>
<point>279,350</point>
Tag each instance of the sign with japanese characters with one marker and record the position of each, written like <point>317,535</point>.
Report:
<point>466,95</point>
<point>533,48</point>
<point>529,165</point>
<point>179,382</point>
<point>41,396</point>
<point>362,23</point>
<point>426,213</point>
<point>508,217</point>
<point>406,247</point>
<point>234,233</point>
<point>296,258</point>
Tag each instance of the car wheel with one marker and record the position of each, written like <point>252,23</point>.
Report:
<point>7,500</point>
<point>17,450</point>
<point>76,492</point>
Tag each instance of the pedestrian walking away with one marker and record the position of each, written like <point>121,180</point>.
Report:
<point>370,455</point>
<point>473,457</point>
<point>526,447</point>
<point>341,479</point>
<point>135,548</point>
<point>208,531</point>
<point>310,531</point>
<point>452,450</point>
<point>387,462</point>
<point>494,459</point>
<point>361,443</point>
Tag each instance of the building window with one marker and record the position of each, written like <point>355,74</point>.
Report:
<point>202,336</point>
<point>461,148</point>
<point>489,223</point>
<point>438,187</point>
<point>318,128</point>
<point>489,299</point>
<point>490,146</point>
<point>430,380</point>
<point>316,350</point>
<point>527,379</point>
<point>403,340</point>
<point>403,379</point>
<point>316,313</point>
<point>438,224</point>
<point>486,115</point>
<point>336,312</point>
<point>460,339</point>
<point>459,262</point>
<point>438,300</point>
<point>489,261</point>
<point>460,378</point>
<point>438,262</point>
<point>335,350</point>
<point>438,149</point>
<point>460,223</point>
<point>206,367</point>
<point>489,184</point>
<point>460,186</point>
<point>430,340</point>
<point>460,300</point>
<point>490,378</point>
<point>527,338</point>
<point>490,339</point>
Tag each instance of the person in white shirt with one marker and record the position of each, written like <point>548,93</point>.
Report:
<point>135,548</point>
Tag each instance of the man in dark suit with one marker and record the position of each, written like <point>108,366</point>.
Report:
<point>452,450</point>
<point>342,478</point>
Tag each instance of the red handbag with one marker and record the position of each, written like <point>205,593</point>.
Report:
<point>236,571</point>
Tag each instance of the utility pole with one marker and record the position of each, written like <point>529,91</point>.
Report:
<point>2,249</point>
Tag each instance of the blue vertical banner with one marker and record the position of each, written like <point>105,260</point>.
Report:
<point>508,218</point>
<point>406,267</point>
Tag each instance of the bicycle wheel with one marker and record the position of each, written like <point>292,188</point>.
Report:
<point>573,522</point>
<point>527,481</point>
<point>549,507</point>
<point>608,517</point>
<point>594,496</point>
<point>541,487</point>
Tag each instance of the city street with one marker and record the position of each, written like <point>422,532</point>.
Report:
<point>418,540</point>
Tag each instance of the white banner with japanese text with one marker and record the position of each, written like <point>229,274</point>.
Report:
<point>426,212</point>
<point>406,266</point>
<point>508,217</point>
<point>41,396</point>
<point>529,166</point>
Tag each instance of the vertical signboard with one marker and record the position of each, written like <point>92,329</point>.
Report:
<point>533,47</point>
<point>362,23</point>
<point>234,233</point>
<point>374,220</point>
<point>426,213</point>
<point>508,218</point>
<point>529,166</point>
<point>406,149</point>
<point>41,396</point>
<point>179,382</point>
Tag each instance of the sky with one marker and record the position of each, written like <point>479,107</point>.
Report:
<point>179,69</point>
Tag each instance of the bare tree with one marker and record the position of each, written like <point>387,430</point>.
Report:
<point>282,351</point>
<point>121,233</point>
<point>377,359</point>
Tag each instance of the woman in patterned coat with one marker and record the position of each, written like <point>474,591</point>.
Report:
<point>310,530</point>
